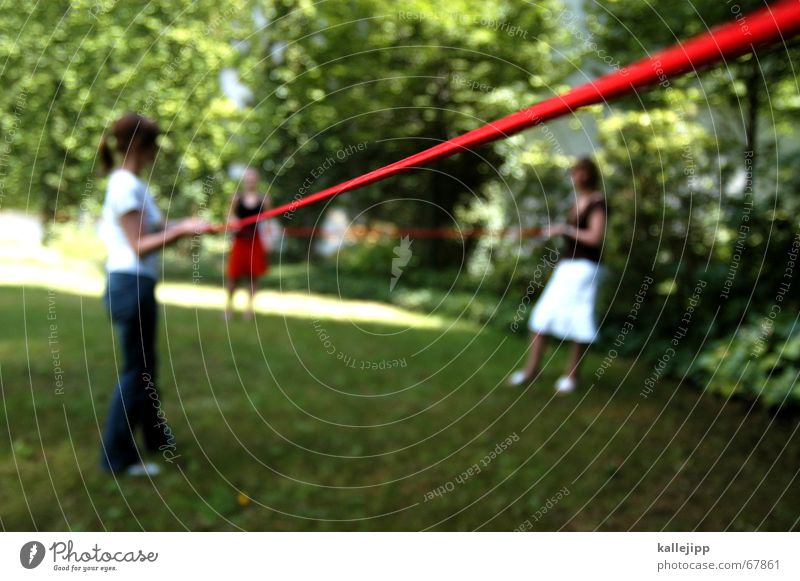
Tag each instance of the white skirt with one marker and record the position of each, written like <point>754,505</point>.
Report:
<point>566,308</point>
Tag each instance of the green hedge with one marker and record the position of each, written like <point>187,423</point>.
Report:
<point>761,361</point>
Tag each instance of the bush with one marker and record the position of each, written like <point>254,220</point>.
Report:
<point>759,362</point>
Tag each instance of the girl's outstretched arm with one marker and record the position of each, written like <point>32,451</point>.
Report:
<point>143,244</point>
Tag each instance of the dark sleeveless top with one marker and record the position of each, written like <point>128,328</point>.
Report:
<point>573,248</point>
<point>243,211</point>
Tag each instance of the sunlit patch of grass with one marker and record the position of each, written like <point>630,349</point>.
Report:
<point>48,268</point>
<point>300,305</point>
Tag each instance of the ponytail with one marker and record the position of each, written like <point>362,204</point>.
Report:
<point>106,157</point>
<point>131,133</point>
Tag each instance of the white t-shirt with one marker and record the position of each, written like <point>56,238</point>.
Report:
<point>126,193</point>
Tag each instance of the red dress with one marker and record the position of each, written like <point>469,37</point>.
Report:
<point>247,258</point>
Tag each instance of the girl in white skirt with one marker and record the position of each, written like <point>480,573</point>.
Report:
<point>566,307</point>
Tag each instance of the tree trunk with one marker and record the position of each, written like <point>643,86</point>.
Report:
<point>753,98</point>
<point>439,253</point>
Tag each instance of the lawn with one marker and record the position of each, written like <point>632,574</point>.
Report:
<point>334,415</point>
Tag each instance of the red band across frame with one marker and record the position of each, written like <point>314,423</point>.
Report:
<point>759,28</point>
<point>359,232</point>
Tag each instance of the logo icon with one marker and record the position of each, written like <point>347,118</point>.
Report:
<point>31,554</point>
<point>402,256</point>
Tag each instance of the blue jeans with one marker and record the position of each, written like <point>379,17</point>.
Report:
<point>136,403</point>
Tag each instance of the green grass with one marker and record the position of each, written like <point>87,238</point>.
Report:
<point>274,433</point>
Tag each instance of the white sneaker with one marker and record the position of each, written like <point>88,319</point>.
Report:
<point>143,469</point>
<point>565,385</point>
<point>518,378</point>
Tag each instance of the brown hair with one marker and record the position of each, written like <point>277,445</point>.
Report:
<point>131,133</point>
<point>590,170</point>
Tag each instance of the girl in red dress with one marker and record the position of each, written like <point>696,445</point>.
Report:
<point>248,258</point>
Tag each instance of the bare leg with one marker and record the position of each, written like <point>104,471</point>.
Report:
<point>538,343</point>
<point>230,286</point>
<point>576,353</point>
<point>248,313</point>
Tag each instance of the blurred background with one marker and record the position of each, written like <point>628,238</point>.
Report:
<point>700,174</point>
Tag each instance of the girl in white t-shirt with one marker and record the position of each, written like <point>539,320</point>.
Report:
<point>134,233</point>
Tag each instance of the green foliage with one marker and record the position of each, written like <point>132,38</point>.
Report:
<point>367,256</point>
<point>664,193</point>
<point>760,361</point>
<point>70,68</point>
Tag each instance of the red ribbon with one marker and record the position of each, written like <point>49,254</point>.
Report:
<point>358,232</point>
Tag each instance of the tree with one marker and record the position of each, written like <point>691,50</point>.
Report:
<point>71,67</point>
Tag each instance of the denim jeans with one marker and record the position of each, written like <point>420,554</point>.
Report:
<point>136,402</point>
